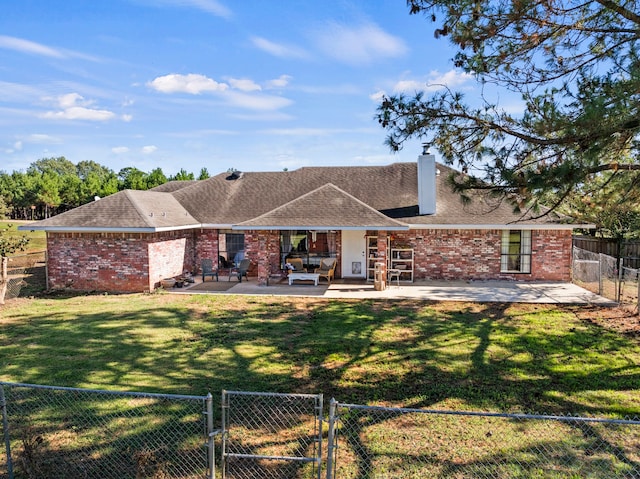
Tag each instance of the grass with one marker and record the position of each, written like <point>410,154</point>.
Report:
<point>494,357</point>
<point>37,239</point>
<point>461,356</point>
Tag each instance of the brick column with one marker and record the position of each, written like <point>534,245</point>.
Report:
<point>263,257</point>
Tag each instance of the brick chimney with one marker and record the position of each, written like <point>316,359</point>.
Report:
<point>426,182</point>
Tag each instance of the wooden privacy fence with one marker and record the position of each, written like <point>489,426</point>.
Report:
<point>630,249</point>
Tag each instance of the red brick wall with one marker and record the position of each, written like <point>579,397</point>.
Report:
<point>475,254</point>
<point>207,246</point>
<point>117,262</point>
<point>171,257</point>
<point>134,262</point>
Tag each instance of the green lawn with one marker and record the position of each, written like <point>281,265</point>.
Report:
<point>518,358</point>
<point>37,239</point>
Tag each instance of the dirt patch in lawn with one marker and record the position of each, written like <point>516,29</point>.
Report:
<point>622,319</point>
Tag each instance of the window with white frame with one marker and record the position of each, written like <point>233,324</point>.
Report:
<point>516,251</point>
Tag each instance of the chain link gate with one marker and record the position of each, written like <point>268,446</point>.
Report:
<point>271,435</point>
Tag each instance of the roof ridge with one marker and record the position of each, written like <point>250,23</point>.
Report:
<point>134,202</point>
<point>312,192</point>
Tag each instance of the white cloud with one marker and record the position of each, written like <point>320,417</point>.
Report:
<point>278,49</point>
<point>119,150</point>
<point>210,6</point>
<point>71,99</point>
<point>360,45</point>
<point>73,106</point>
<point>17,146</point>
<point>257,102</point>
<point>127,118</point>
<point>147,150</point>
<point>10,92</point>
<point>451,79</point>
<point>244,84</point>
<point>377,96</point>
<point>435,81</point>
<point>244,93</point>
<point>33,48</point>
<point>298,131</point>
<point>26,46</point>
<point>269,116</point>
<point>39,138</point>
<point>192,83</point>
<point>79,113</point>
<point>280,82</point>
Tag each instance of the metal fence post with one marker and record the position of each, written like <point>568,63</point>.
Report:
<point>331,438</point>
<point>224,407</point>
<point>5,429</point>
<point>319,410</point>
<point>620,277</point>
<point>600,286</point>
<point>210,437</point>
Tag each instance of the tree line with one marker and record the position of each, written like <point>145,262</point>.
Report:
<point>50,186</point>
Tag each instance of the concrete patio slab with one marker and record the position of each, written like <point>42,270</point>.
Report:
<point>468,291</point>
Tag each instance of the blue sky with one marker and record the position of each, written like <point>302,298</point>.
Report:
<point>255,85</point>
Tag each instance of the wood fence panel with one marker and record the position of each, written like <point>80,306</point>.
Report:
<point>630,249</point>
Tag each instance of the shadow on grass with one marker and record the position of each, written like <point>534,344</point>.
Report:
<point>497,357</point>
<point>408,353</point>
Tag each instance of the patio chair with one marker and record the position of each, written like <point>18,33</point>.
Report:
<point>241,270</point>
<point>208,269</point>
<point>326,269</point>
<point>298,266</point>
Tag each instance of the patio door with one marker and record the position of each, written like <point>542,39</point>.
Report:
<point>353,254</point>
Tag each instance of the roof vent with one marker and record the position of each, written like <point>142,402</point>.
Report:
<point>234,175</point>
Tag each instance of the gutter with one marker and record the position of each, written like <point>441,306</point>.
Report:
<point>503,226</point>
<point>98,229</point>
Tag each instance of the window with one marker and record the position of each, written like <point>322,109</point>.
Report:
<point>310,246</point>
<point>231,249</point>
<point>516,251</point>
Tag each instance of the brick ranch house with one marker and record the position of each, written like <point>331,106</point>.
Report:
<point>131,240</point>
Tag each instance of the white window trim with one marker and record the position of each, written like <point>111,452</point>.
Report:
<point>525,252</point>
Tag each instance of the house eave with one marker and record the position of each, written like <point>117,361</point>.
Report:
<point>320,228</point>
<point>102,229</point>
<point>502,226</point>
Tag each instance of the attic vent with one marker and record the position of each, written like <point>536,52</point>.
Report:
<point>234,175</point>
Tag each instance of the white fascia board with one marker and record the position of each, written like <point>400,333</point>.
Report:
<point>321,228</point>
<point>92,229</point>
<point>515,226</point>
<point>211,226</point>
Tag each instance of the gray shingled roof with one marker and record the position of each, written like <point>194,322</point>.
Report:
<point>128,209</point>
<point>303,196</point>
<point>339,210</point>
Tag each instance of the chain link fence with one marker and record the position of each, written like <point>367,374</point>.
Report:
<point>378,442</point>
<point>27,274</point>
<point>54,432</point>
<point>270,435</point>
<point>74,433</point>
<point>604,275</point>
<point>630,286</point>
